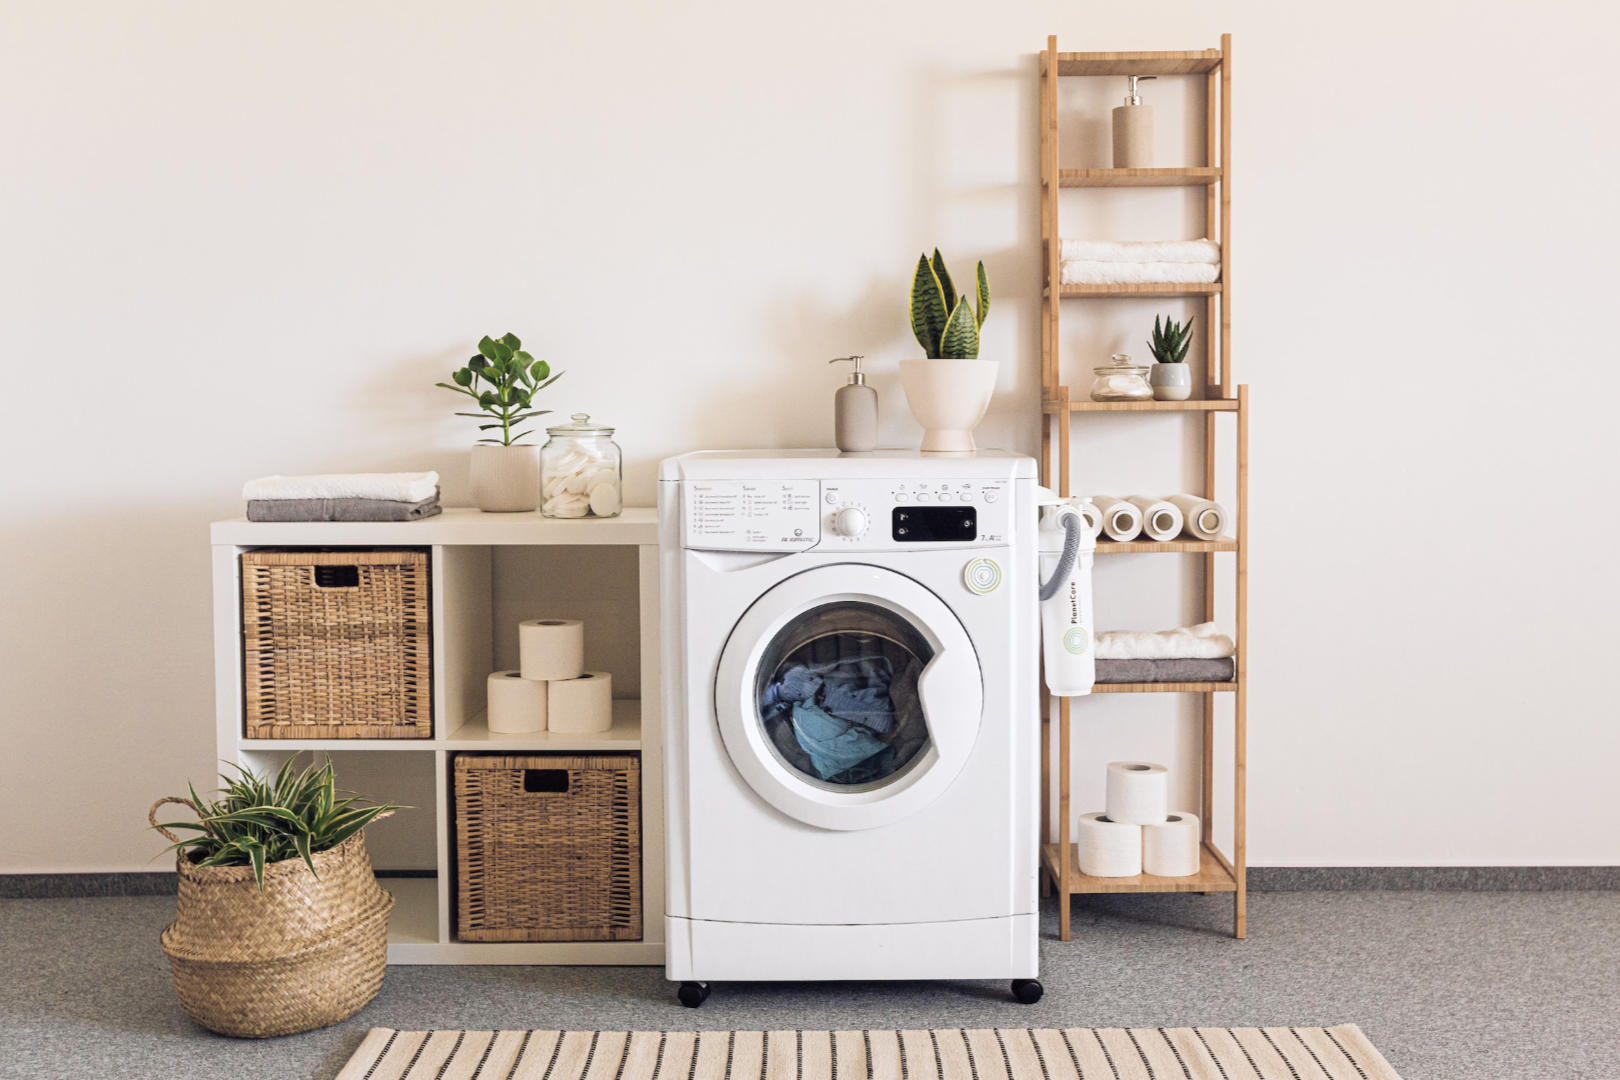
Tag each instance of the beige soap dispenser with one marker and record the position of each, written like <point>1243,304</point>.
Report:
<point>1133,130</point>
<point>855,411</point>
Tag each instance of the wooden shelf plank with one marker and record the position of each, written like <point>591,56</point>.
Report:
<point>1202,405</point>
<point>1212,876</point>
<point>1106,546</point>
<point>1153,288</point>
<point>1196,62</point>
<point>1164,687</point>
<point>1199,176</point>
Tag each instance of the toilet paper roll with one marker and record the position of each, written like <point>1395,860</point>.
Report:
<point>516,705</point>
<point>1205,519</point>
<point>1138,792</point>
<point>581,706</point>
<point>1108,848</point>
<point>1170,848</point>
<point>1160,520</point>
<point>1120,519</point>
<point>551,648</point>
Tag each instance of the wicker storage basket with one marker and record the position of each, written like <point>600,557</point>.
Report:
<point>336,645</point>
<point>302,954</point>
<point>548,847</point>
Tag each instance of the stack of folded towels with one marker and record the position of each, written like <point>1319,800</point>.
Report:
<point>1187,654</point>
<point>1136,262</point>
<point>343,497</point>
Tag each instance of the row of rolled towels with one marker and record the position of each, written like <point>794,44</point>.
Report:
<point>1138,832</point>
<point>1140,262</point>
<point>550,690</point>
<point>1159,519</point>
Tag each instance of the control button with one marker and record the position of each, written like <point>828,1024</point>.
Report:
<point>923,496</point>
<point>990,496</point>
<point>981,576</point>
<point>901,496</point>
<point>849,521</point>
<point>832,497</point>
<point>967,496</point>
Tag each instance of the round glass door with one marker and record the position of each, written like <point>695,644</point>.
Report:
<point>836,694</point>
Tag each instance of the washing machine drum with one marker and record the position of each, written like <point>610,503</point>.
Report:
<point>849,696</point>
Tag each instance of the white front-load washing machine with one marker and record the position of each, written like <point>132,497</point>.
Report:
<point>851,724</point>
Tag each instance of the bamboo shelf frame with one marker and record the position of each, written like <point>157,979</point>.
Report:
<point>1217,872</point>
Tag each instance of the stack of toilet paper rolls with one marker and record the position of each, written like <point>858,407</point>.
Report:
<point>1138,833</point>
<point>551,690</point>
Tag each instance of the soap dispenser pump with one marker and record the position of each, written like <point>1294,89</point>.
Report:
<point>1133,130</point>
<point>855,410</point>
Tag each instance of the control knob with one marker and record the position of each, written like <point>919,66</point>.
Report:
<point>850,521</point>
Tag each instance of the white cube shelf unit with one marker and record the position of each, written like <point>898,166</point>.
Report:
<point>487,572</point>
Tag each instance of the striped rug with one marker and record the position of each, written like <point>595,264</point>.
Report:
<point>1206,1053</point>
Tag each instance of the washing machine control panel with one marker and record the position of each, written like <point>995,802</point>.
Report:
<point>751,515</point>
<point>872,515</point>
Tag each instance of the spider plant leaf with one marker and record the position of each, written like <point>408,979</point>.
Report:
<point>928,310</point>
<point>960,339</point>
<point>947,288</point>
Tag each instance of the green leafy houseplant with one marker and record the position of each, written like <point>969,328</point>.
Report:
<point>502,380</point>
<point>259,820</point>
<point>1170,342</point>
<point>946,325</point>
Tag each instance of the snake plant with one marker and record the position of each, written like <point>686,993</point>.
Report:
<point>946,325</point>
<point>1169,344</point>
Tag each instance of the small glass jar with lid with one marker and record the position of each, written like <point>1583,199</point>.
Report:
<point>580,471</point>
<point>1121,380</point>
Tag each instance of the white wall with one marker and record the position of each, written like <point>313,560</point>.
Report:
<point>246,239</point>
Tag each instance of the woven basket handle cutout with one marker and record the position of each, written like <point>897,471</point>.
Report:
<point>151,815</point>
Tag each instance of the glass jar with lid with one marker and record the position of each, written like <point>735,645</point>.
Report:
<point>580,471</point>
<point>1121,380</point>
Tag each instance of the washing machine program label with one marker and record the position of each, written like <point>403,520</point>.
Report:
<point>745,515</point>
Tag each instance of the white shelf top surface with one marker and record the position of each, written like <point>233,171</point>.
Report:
<point>456,525</point>
<point>625,734</point>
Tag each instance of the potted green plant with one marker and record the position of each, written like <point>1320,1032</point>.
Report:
<point>280,925</point>
<point>502,381</point>
<point>948,388</point>
<point>1170,378</point>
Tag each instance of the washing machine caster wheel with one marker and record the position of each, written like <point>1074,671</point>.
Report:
<point>693,994</point>
<point>1027,991</point>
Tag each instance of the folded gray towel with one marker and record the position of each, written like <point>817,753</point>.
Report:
<point>340,509</point>
<point>1182,670</point>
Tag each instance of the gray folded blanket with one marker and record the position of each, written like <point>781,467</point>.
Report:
<point>1183,670</point>
<point>340,509</point>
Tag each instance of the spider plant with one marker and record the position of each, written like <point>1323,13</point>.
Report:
<point>259,820</point>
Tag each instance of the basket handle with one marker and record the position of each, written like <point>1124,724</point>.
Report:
<point>151,815</point>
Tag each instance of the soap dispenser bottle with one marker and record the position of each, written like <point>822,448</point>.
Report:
<point>1133,130</point>
<point>855,411</point>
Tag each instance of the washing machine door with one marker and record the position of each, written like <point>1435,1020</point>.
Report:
<point>849,696</point>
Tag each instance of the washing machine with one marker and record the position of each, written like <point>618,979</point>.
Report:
<point>851,730</point>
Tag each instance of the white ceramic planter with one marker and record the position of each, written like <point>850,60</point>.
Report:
<point>505,479</point>
<point>948,398</point>
<point>1171,382</point>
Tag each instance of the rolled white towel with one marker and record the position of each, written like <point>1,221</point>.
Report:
<point>1151,251</point>
<point>1206,519</point>
<point>1160,520</point>
<point>409,487</point>
<point>1202,642</point>
<point>1120,520</point>
<point>1090,272</point>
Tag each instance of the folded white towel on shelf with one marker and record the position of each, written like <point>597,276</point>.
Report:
<point>1095,272</point>
<point>1202,642</point>
<point>406,487</point>
<point>1157,251</point>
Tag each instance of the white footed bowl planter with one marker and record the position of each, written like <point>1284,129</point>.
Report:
<point>505,479</point>
<point>948,397</point>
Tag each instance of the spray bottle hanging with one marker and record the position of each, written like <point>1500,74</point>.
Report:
<point>1133,130</point>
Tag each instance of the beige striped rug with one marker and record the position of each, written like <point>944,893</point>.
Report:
<point>1205,1053</point>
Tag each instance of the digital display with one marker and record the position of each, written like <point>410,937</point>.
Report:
<point>932,524</point>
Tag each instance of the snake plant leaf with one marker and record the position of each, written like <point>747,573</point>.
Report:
<point>928,310</point>
<point>961,337</point>
<point>984,294</point>
<point>947,288</point>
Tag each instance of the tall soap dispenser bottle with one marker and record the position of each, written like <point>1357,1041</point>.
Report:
<point>1133,130</point>
<point>855,411</point>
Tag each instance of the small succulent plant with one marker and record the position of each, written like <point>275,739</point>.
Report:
<point>513,378</point>
<point>1170,343</point>
<point>946,325</point>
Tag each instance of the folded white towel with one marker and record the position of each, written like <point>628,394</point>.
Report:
<point>1202,642</point>
<point>1086,272</point>
<point>407,487</point>
<point>1176,251</point>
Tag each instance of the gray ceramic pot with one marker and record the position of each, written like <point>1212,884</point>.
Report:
<point>1171,382</point>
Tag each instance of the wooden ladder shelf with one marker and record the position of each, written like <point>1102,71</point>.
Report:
<point>1059,406</point>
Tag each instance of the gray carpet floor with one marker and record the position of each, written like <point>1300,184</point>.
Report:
<point>1448,985</point>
